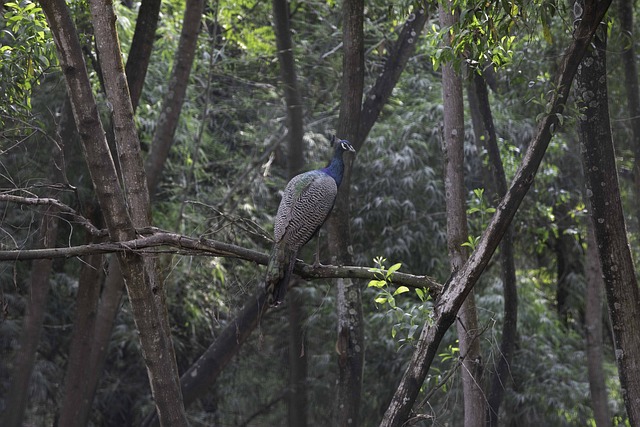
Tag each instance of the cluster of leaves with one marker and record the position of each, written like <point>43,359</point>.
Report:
<point>26,54</point>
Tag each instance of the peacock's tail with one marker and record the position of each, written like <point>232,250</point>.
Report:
<point>279,270</point>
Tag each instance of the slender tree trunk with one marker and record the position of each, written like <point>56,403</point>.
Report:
<point>141,48</point>
<point>603,193</point>
<point>461,283</point>
<point>297,394</point>
<point>628,56</point>
<point>75,396</point>
<point>204,372</point>
<point>394,65</point>
<point>143,285</point>
<point>350,339</point>
<point>290,81</point>
<point>593,327</point>
<point>485,131</point>
<point>457,231</point>
<point>177,89</point>
<point>32,325</point>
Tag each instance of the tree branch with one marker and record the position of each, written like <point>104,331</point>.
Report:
<point>154,240</point>
<point>62,208</point>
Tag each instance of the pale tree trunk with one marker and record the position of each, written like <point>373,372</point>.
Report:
<point>38,290</point>
<point>460,284</point>
<point>457,231</point>
<point>350,339</point>
<point>606,213</point>
<point>176,91</point>
<point>593,329</point>
<point>484,130</point>
<point>143,285</point>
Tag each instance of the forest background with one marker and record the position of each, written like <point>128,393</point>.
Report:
<point>165,175</point>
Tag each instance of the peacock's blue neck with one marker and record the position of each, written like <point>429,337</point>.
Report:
<point>335,168</point>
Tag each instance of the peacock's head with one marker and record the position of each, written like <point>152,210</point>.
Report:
<point>341,145</point>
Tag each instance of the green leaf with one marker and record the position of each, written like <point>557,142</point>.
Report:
<point>393,268</point>
<point>401,290</point>
<point>381,300</point>
<point>376,284</point>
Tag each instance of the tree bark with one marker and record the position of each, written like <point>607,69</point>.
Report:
<point>457,230</point>
<point>144,288</point>
<point>593,329</point>
<point>141,48</point>
<point>484,130</point>
<point>632,87</point>
<point>205,371</point>
<point>603,193</point>
<point>297,393</point>
<point>461,283</point>
<point>292,97</point>
<point>350,339</point>
<point>38,289</point>
<point>75,397</point>
<point>399,55</point>
<point>177,88</point>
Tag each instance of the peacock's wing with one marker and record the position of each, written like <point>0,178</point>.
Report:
<point>306,203</point>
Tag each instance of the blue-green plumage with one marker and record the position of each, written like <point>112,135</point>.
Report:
<point>306,203</point>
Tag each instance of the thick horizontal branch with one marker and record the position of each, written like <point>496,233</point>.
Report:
<point>162,241</point>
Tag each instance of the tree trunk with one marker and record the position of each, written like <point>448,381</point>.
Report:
<point>350,339</point>
<point>204,372</point>
<point>75,396</point>
<point>603,194</point>
<point>297,393</point>
<point>172,104</point>
<point>38,289</point>
<point>141,48</point>
<point>485,131</point>
<point>461,283</point>
<point>290,81</point>
<point>394,65</point>
<point>143,285</point>
<point>628,56</point>
<point>457,231</point>
<point>593,329</point>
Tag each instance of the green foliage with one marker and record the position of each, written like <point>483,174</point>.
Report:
<point>26,54</point>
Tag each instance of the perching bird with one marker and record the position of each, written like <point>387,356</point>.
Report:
<point>306,203</point>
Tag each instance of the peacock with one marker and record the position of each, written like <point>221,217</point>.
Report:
<point>306,204</point>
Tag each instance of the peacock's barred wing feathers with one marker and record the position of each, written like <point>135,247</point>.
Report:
<point>306,204</point>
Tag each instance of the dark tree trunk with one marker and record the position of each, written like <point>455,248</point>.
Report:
<point>350,339</point>
<point>485,131</point>
<point>593,329</point>
<point>198,379</point>
<point>177,88</point>
<point>75,397</point>
<point>394,65</point>
<point>38,290</point>
<point>143,285</point>
<point>632,87</point>
<point>141,47</point>
<point>457,231</point>
<point>461,283</point>
<point>603,193</point>
<point>297,393</point>
<point>291,93</point>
